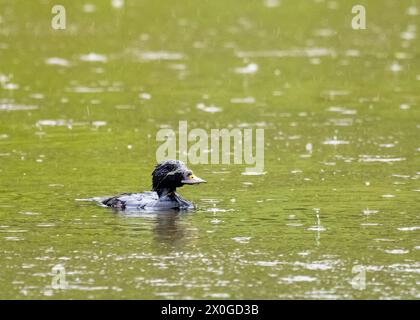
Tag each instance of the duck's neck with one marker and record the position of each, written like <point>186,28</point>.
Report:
<point>165,192</point>
<point>169,194</point>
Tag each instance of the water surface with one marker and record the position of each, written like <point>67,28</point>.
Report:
<point>79,112</point>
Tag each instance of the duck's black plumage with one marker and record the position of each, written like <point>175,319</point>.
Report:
<point>167,176</point>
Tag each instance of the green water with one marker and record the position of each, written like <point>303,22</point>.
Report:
<point>340,109</point>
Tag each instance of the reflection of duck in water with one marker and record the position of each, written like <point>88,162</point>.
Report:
<point>170,229</point>
<point>167,176</point>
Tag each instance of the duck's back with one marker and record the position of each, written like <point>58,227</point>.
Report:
<point>148,201</point>
<point>132,200</point>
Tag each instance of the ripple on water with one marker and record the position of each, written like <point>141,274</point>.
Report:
<point>14,230</point>
<point>210,109</point>
<point>167,294</point>
<point>99,123</point>
<point>248,69</point>
<point>10,86</point>
<point>89,7</point>
<point>246,100</point>
<point>125,107</point>
<point>294,224</point>
<point>93,57</point>
<point>271,3</point>
<point>267,263</point>
<point>214,210</point>
<point>46,225</point>
<point>30,213</point>
<point>395,67</point>
<point>293,279</point>
<point>401,176</point>
<point>368,212</point>
<point>145,96</point>
<point>57,62</point>
<point>159,55</point>
<point>386,145</point>
<point>68,123</point>
<point>408,35</point>
<point>83,89</point>
<point>241,239</point>
<point>343,122</point>
<point>376,158</point>
<point>325,32</point>
<point>334,141</point>
<point>254,173</point>
<point>342,110</point>
<point>210,200</point>
<point>178,66</point>
<point>317,228</point>
<point>38,96</point>
<point>332,94</point>
<point>352,53</point>
<point>87,288</point>
<point>117,4</point>
<point>305,52</point>
<point>412,11</point>
<point>12,238</point>
<point>53,123</point>
<point>219,295</point>
<point>317,265</point>
<point>16,107</point>
<point>409,228</point>
<point>397,251</point>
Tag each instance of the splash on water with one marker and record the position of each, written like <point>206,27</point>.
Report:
<point>368,158</point>
<point>335,141</point>
<point>409,228</point>
<point>246,100</point>
<point>57,62</point>
<point>307,52</point>
<point>242,239</point>
<point>93,57</point>
<point>248,69</point>
<point>159,55</point>
<point>16,107</point>
<point>210,109</point>
<point>397,251</point>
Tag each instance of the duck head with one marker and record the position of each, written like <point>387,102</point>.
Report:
<point>171,174</point>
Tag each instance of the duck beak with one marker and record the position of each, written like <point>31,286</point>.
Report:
<point>192,179</point>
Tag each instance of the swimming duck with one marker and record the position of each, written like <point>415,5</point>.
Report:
<point>166,177</point>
